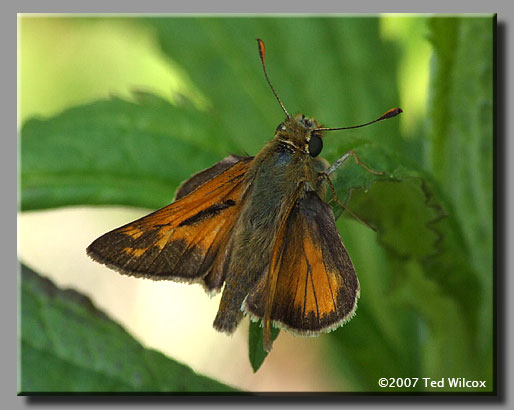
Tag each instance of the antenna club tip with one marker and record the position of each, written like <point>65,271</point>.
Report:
<point>262,49</point>
<point>393,112</point>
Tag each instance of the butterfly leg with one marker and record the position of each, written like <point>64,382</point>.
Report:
<point>341,160</point>
<point>325,175</point>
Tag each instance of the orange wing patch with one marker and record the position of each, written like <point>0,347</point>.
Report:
<point>181,240</point>
<point>317,288</point>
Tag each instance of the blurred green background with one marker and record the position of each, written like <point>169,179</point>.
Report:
<point>118,111</point>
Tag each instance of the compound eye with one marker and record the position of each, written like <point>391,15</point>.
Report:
<point>315,146</point>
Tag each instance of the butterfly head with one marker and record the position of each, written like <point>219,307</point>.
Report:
<point>300,134</point>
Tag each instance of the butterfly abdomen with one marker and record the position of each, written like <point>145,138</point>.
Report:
<point>254,233</point>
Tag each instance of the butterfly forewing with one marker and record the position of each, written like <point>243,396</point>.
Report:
<point>205,175</point>
<point>317,287</point>
<point>181,240</point>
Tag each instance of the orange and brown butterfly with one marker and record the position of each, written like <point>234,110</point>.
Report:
<point>256,228</point>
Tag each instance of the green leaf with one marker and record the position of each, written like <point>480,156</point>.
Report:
<point>444,320</point>
<point>460,136</point>
<point>68,345</point>
<point>115,152</point>
<point>426,295</point>
<point>461,129</point>
<point>256,350</point>
<point>399,203</point>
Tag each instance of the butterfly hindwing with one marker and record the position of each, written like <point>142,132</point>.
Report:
<point>316,287</point>
<point>180,241</point>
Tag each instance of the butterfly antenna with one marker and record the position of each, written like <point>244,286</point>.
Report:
<point>262,53</point>
<point>393,112</point>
